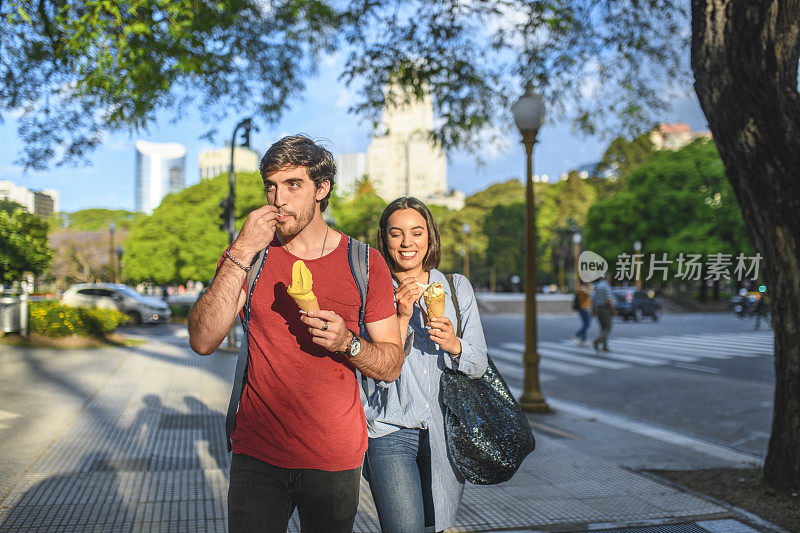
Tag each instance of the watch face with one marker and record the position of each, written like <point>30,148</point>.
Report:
<point>355,346</point>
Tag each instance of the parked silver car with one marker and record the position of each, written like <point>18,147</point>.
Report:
<point>141,309</point>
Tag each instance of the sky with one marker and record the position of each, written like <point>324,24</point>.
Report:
<point>322,114</point>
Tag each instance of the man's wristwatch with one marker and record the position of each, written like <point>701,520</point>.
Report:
<point>354,348</point>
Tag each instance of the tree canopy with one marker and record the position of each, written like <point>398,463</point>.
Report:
<point>23,245</point>
<point>675,202</point>
<point>73,71</point>
<point>182,240</point>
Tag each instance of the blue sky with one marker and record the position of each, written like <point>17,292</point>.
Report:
<point>322,113</point>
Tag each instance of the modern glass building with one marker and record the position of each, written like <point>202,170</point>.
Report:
<point>160,170</point>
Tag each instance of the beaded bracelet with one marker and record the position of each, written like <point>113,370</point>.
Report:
<point>237,263</point>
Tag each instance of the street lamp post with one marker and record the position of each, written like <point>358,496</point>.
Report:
<point>465,231</point>
<point>112,254</point>
<point>576,252</point>
<point>528,113</point>
<point>637,248</point>
<point>228,206</point>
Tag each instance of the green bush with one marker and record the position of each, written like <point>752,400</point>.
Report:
<point>55,320</point>
<point>180,310</point>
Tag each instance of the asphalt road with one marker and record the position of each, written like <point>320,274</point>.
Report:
<point>708,375</point>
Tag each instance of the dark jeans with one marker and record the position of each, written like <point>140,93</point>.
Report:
<point>586,320</point>
<point>263,497</point>
<point>398,466</point>
<point>604,316</point>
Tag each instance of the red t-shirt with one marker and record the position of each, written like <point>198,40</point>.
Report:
<point>300,406</point>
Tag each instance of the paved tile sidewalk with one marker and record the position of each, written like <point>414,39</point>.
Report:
<point>147,453</point>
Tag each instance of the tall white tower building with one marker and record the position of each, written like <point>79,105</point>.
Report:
<point>349,169</point>
<point>160,169</point>
<point>401,158</point>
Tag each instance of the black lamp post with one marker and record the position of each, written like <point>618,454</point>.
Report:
<point>228,205</point>
<point>528,113</point>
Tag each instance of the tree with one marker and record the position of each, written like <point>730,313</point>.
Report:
<point>100,219</point>
<point>675,202</point>
<point>23,245</point>
<point>745,63</point>
<point>181,240</point>
<point>623,156</point>
<point>82,256</point>
<point>359,215</point>
<point>76,70</point>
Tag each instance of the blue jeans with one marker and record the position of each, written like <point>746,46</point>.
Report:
<point>586,320</point>
<point>398,467</point>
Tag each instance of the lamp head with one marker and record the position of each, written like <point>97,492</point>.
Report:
<point>528,110</point>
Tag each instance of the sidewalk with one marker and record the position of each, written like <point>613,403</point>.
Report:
<point>146,452</point>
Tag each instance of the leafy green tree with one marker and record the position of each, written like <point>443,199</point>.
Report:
<point>675,202</point>
<point>505,231</point>
<point>182,240</point>
<point>23,245</point>
<point>359,215</point>
<point>477,208</point>
<point>9,206</point>
<point>79,69</point>
<point>100,219</point>
<point>623,156</point>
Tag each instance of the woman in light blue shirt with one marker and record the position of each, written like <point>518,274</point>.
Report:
<point>412,480</point>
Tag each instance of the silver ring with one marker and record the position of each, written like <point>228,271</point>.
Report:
<point>325,326</point>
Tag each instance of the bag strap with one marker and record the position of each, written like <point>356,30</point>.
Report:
<point>240,375</point>
<point>455,304</point>
<point>358,257</point>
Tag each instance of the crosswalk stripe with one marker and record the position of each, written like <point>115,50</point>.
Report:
<point>547,364</point>
<point>544,350</point>
<point>669,347</point>
<point>564,357</point>
<point>636,359</point>
<point>638,349</point>
<point>702,348</point>
<point>742,343</point>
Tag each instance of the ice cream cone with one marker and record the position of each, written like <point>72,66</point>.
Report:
<point>308,305</point>
<point>301,287</point>
<point>434,300</point>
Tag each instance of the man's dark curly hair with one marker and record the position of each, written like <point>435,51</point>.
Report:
<point>300,151</point>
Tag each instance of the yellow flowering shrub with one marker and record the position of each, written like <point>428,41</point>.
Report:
<point>53,319</point>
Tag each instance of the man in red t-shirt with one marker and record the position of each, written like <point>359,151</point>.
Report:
<point>300,432</point>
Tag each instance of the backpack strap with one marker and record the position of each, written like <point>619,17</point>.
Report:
<point>455,304</point>
<point>240,376</point>
<point>358,257</point>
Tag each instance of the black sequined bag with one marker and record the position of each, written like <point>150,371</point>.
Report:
<point>488,436</point>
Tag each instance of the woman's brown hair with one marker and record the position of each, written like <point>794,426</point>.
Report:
<point>434,253</point>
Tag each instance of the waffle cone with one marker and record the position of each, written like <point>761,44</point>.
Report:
<point>435,306</point>
<point>308,305</point>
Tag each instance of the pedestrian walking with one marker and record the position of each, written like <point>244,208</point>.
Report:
<point>603,305</point>
<point>583,304</point>
<point>413,482</point>
<point>300,434</point>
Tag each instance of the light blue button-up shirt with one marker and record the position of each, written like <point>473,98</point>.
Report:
<point>412,400</point>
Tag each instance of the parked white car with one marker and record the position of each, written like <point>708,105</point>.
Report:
<point>141,309</point>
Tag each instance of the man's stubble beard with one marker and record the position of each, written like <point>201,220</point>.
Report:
<point>300,220</point>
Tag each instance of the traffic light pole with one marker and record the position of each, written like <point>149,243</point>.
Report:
<point>229,211</point>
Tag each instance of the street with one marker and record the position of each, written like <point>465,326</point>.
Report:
<point>131,438</point>
<point>710,375</point>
